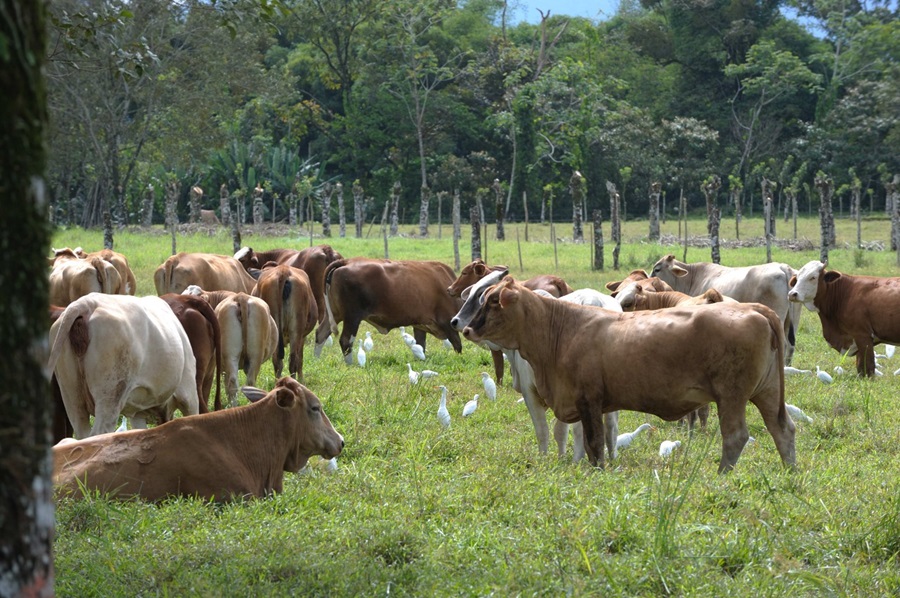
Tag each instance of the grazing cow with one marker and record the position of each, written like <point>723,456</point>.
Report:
<point>477,270</point>
<point>291,303</point>
<point>221,456</point>
<point>201,325</point>
<point>117,354</point>
<point>523,374</point>
<point>857,312</point>
<point>119,262</point>
<point>389,294</point>
<point>643,280</point>
<point>312,260</point>
<point>765,283</point>
<point>207,270</point>
<point>727,353</point>
<point>72,277</point>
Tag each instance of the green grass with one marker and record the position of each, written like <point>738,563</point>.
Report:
<point>414,510</point>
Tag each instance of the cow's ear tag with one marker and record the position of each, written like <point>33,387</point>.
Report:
<point>508,297</point>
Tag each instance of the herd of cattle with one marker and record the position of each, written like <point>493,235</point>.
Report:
<point>668,342</point>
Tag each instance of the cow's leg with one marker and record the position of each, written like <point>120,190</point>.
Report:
<point>453,336</point>
<point>497,356</point>
<point>421,335</point>
<point>539,419</point>
<point>591,413</point>
<point>779,425</point>
<point>865,356</point>
<point>561,435</point>
<point>322,334</point>
<point>295,363</point>
<point>278,356</point>
<point>703,413</point>
<point>348,337</point>
<point>231,380</point>
<point>78,415</point>
<point>611,423</point>
<point>733,424</point>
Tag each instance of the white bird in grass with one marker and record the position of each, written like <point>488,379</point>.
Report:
<point>789,371</point>
<point>889,351</point>
<point>448,344</point>
<point>897,372</point>
<point>626,438</point>
<point>470,407</point>
<point>490,387</point>
<point>368,344</point>
<point>667,446</point>
<point>442,413</point>
<point>409,339</point>
<point>797,414</point>
<point>329,341</point>
<point>426,374</point>
<point>838,370</point>
<point>413,374</point>
<point>361,355</point>
<point>824,376</point>
<point>123,426</point>
<point>331,464</point>
<point>417,351</point>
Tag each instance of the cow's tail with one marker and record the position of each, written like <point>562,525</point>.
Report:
<point>329,273</point>
<point>243,301</point>
<point>777,343</point>
<point>67,330</point>
<point>278,314</point>
<point>209,313</point>
<point>107,284</point>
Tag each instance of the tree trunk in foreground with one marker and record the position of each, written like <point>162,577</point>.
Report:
<point>26,508</point>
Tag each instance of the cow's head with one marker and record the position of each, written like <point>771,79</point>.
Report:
<point>805,284</point>
<point>634,276</point>
<point>247,257</point>
<point>470,275</point>
<point>472,298</point>
<point>310,430</point>
<point>668,269</point>
<point>501,316</point>
<point>630,296</point>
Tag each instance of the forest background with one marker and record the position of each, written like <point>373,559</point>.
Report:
<point>410,101</point>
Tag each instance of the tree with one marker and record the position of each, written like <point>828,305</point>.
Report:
<point>26,514</point>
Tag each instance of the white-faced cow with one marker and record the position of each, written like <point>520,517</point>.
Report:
<point>201,325</point>
<point>857,312</point>
<point>209,271</point>
<point>72,277</point>
<point>222,456</point>
<point>727,353</point>
<point>117,354</point>
<point>389,294</point>
<point>286,291</point>
<point>765,283</point>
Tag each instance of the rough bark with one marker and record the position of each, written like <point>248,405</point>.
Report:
<point>425,194</point>
<point>173,190</point>
<point>655,189</point>
<point>456,229</point>
<point>710,188</point>
<point>26,508</point>
<point>825,187</point>
<point>147,207</point>
<point>107,230</point>
<point>327,193</point>
<point>395,208</point>
<point>359,216</point>
<point>474,219</point>
<point>257,206</point>
<point>224,205</point>
<point>498,204</point>
<point>598,241</point>
<point>893,195</point>
<point>342,217</point>
<point>196,196</point>
<point>615,221</point>
<point>576,188</point>
<point>236,224</point>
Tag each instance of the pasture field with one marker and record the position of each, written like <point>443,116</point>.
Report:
<point>415,510</point>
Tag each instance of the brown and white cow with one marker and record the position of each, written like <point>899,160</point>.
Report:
<point>209,271</point>
<point>221,456</point>
<point>312,260</point>
<point>119,262</point>
<point>291,303</point>
<point>72,277</point>
<point>201,325</point>
<point>727,353</point>
<point>118,354</point>
<point>765,283</point>
<point>389,294</point>
<point>857,312</point>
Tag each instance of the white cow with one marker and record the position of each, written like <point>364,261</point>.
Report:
<point>766,283</point>
<point>118,354</point>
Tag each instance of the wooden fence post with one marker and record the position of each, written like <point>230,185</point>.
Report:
<point>598,240</point>
<point>474,220</point>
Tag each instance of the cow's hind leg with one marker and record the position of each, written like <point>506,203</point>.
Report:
<point>348,337</point>
<point>592,419</point>
<point>561,435</point>
<point>733,424</point>
<point>779,425</point>
<point>421,335</point>
<point>539,419</point>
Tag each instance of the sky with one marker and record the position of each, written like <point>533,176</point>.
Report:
<point>598,10</point>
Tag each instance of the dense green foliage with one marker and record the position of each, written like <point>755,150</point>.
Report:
<point>417,511</point>
<point>413,91</point>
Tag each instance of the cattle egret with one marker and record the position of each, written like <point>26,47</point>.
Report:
<point>442,413</point>
<point>889,351</point>
<point>426,374</point>
<point>750,440</point>
<point>448,344</point>
<point>824,376</point>
<point>409,339</point>
<point>361,355</point>
<point>413,374</point>
<point>490,387</point>
<point>626,438</point>
<point>329,341</point>
<point>897,372</point>
<point>417,351</point>
<point>667,446</point>
<point>522,399</point>
<point>331,465</point>
<point>470,407</point>
<point>123,426</point>
<point>838,370</point>
<point>797,414</point>
<point>789,371</point>
<point>368,343</point>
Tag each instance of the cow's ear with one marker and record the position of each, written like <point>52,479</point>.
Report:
<point>480,269</point>
<point>252,393</point>
<point>285,397</point>
<point>678,270</point>
<point>508,296</point>
<point>614,285</point>
<point>831,276</point>
<point>792,281</point>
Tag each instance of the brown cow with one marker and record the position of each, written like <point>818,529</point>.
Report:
<point>389,294</point>
<point>72,277</point>
<point>221,456</point>
<point>857,312</point>
<point>207,270</point>
<point>119,262</point>
<point>312,260</point>
<point>581,377</point>
<point>477,270</point>
<point>201,325</point>
<point>291,303</point>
